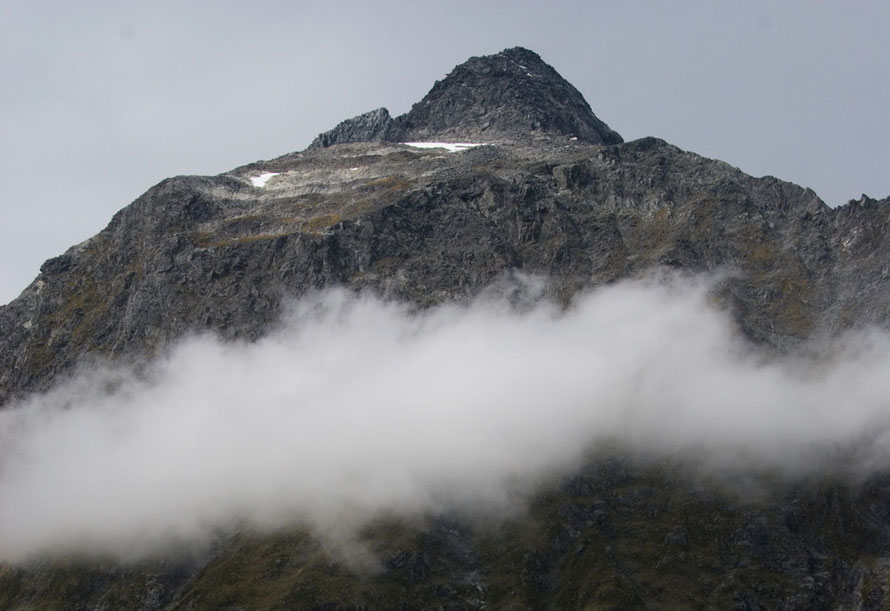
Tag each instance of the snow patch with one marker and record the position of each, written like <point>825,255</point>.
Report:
<point>451,147</point>
<point>526,71</point>
<point>261,180</point>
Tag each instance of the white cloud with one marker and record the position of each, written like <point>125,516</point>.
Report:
<point>355,408</point>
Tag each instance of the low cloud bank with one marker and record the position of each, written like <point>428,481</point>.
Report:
<point>355,409</point>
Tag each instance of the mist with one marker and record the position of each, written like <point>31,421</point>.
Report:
<point>354,409</point>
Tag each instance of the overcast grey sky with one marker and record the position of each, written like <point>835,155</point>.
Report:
<point>100,100</point>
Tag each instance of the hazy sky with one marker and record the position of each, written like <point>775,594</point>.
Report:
<point>100,100</point>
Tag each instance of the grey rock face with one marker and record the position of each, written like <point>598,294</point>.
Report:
<point>366,127</point>
<point>217,253</point>
<point>513,95</point>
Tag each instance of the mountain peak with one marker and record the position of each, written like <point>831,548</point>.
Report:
<point>513,94</point>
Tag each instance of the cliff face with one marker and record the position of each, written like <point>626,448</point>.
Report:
<point>555,192</point>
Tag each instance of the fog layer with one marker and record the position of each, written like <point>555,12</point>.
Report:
<point>355,409</point>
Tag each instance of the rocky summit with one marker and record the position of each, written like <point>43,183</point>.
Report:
<point>546,189</point>
<point>512,96</point>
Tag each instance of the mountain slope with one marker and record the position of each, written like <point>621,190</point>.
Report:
<point>553,192</point>
<point>417,224</point>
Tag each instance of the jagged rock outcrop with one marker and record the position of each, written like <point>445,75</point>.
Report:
<point>367,127</point>
<point>513,95</point>
<point>556,193</point>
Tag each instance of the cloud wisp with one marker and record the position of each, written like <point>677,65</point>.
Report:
<point>355,408</point>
